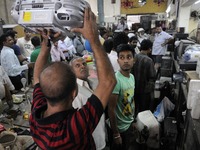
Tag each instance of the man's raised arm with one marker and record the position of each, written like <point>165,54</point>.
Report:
<point>43,56</point>
<point>105,71</point>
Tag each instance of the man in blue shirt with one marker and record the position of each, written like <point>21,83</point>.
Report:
<point>160,44</point>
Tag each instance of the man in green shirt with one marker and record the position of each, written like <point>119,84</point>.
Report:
<point>121,106</point>
<point>36,43</point>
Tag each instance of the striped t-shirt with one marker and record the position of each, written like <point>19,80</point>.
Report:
<point>70,129</point>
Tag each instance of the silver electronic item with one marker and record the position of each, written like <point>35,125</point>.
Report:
<point>58,15</point>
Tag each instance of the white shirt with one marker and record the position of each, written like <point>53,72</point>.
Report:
<point>56,53</point>
<point>70,46</point>
<point>10,62</point>
<point>63,47</point>
<point>140,39</point>
<point>84,92</point>
<point>122,26</point>
<point>113,59</point>
<point>25,46</point>
<point>160,39</point>
<point>4,77</point>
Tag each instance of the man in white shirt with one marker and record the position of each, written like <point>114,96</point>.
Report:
<point>122,25</point>
<point>85,89</point>
<point>4,79</point>
<point>141,36</point>
<point>25,44</point>
<point>62,45</point>
<point>119,38</point>
<point>160,44</point>
<point>69,42</point>
<point>10,62</point>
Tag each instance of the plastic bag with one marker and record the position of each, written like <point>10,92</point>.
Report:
<point>164,109</point>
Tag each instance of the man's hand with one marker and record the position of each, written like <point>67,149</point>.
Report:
<point>118,142</point>
<point>156,66</point>
<point>43,56</point>
<point>25,59</point>
<point>66,50</point>
<point>163,44</point>
<point>47,33</point>
<point>89,30</point>
<point>31,65</point>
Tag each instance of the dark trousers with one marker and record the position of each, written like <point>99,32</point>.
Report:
<point>16,81</point>
<point>126,135</point>
<point>157,59</point>
<point>142,102</point>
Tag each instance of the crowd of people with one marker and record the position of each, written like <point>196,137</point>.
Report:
<point>68,107</point>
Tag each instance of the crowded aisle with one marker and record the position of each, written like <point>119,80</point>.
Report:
<point>77,75</point>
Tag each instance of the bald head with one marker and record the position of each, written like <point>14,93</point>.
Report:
<point>57,82</point>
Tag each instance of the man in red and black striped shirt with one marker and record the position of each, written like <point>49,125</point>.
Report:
<point>54,123</point>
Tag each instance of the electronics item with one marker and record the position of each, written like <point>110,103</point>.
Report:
<point>192,53</point>
<point>58,15</point>
<point>194,86</point>
<point>170,133</point>
<point>183,65</point>
<point>166,62</point>
<point>181,35</point>
<point>181,49</point>
<point>165,72</point>
<point>180,29</point>
<point>147,119</point>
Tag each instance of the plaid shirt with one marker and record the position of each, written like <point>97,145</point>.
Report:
<point>143,70</point>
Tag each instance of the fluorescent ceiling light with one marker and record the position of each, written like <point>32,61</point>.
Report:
<point>197,2</point>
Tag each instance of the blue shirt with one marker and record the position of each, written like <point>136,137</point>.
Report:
<point>16,50</point>
<point>87,46</point>
<point>160,39</point>
<point>10,62</point>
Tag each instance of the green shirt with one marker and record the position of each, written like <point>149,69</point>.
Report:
<point>125,107</point>
<point>35,54</point>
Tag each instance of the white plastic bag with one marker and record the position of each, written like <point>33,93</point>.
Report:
<point>164,109</point>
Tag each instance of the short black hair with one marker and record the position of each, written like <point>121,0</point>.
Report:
<point>120,38</point>
<point>133,38</point>
<point>108,45</point>
<point>3,37</point>
<point>26,30</point>
<point>158,26</point>
<point>126,29</point>
<point>12,33</point>
<point>102,32</point>
<point>58,90</point>
<point>125,47</point>
<point>35,40</point>
<point>146,44</point>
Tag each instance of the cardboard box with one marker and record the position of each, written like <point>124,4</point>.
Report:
<point>191,75</point>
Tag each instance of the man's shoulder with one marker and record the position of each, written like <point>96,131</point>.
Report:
<point>146,58</point>
<point>6,50</point>
<point>20,39</point>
